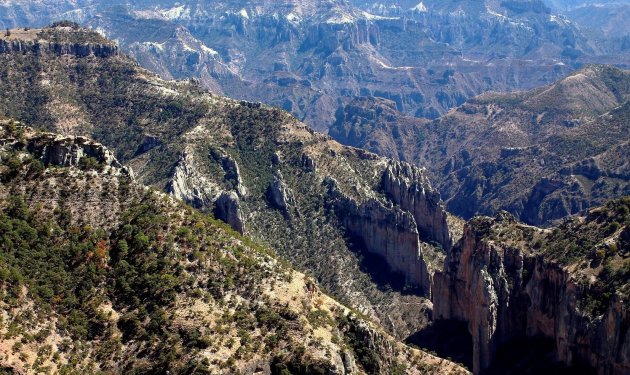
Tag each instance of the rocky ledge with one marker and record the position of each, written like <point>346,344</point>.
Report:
<point>60,150</point>
<point>57,41</point>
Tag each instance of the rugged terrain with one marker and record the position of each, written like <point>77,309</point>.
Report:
<point>516,286</point>
<point>332,211</point>
<point>369,230</point>
<point>305,56</point>
<point>542,155</point>
<point>101,274</point>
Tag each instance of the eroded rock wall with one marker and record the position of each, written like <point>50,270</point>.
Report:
<point>507,291</point>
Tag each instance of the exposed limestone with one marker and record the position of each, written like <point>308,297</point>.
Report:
<point>507,291</point>
<point>232,173</point>
<point>68,151</point>
<point>58,41</point>
<point>409,187</point>
<point>280,196</point>
<point>189,185</point>
<point>59,49</point>
<point>64,151</point>
<point>386,231</point>
<point>227,208</point>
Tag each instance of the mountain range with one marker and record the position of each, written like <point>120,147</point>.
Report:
<point>306,56</point>
<point>541,155</point>
<point>99,245</point>
<point>102,274</point>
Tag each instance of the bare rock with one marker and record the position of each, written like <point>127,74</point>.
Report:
<point>386,231</point>
<point>227,208</point>
<point>506,292</point>
<point>281,196</point>
<point>189,185</point>
<point>409,187</point>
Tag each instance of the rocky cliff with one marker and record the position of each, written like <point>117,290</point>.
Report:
<point>409,188</point>
<point>386,231</point>
<point>509,281</point>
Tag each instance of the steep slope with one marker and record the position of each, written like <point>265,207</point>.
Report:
<point>304,56</point>
<point>542,155</point>
<point>511,283</point>
<point>369,229</point>
<point>100,274</point>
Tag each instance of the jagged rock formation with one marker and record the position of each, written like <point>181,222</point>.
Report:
<point>188,185</point>
<point>510,281</point>
<point>409,188</point>
<point>208,151</point>
<point>109,275</point>
<point>63,151</point>
<point>281,196</point>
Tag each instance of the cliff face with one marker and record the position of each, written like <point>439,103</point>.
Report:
<point>409,187</point>
<point>394,228</point>
<point>505,288</point>
<point>389,232</point>
<point>78,50</point>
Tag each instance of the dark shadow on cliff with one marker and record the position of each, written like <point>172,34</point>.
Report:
<point>448,339</point>
<point>532,356</point>
<point>377,268</point>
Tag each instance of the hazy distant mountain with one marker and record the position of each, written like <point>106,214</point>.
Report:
<point>541,155</point>
<point>102,274</point>
<point>564,5</point>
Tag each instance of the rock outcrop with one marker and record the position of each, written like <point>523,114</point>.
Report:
<point>228,208</point>
<point>281,196</point>
<point>189,185</point>
<point>58,41</point>
<point>233,174</point>
<point>409,187</point>
<point>506,290</point>
<point>387,231</point>
<point>65,151</point>
<point>59,49</point>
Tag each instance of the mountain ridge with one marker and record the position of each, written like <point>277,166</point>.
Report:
<point>519,152</point>
<point>147,284</point>
<point>256,167</point>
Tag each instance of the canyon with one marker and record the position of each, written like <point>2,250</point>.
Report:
<point>370,230</point>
